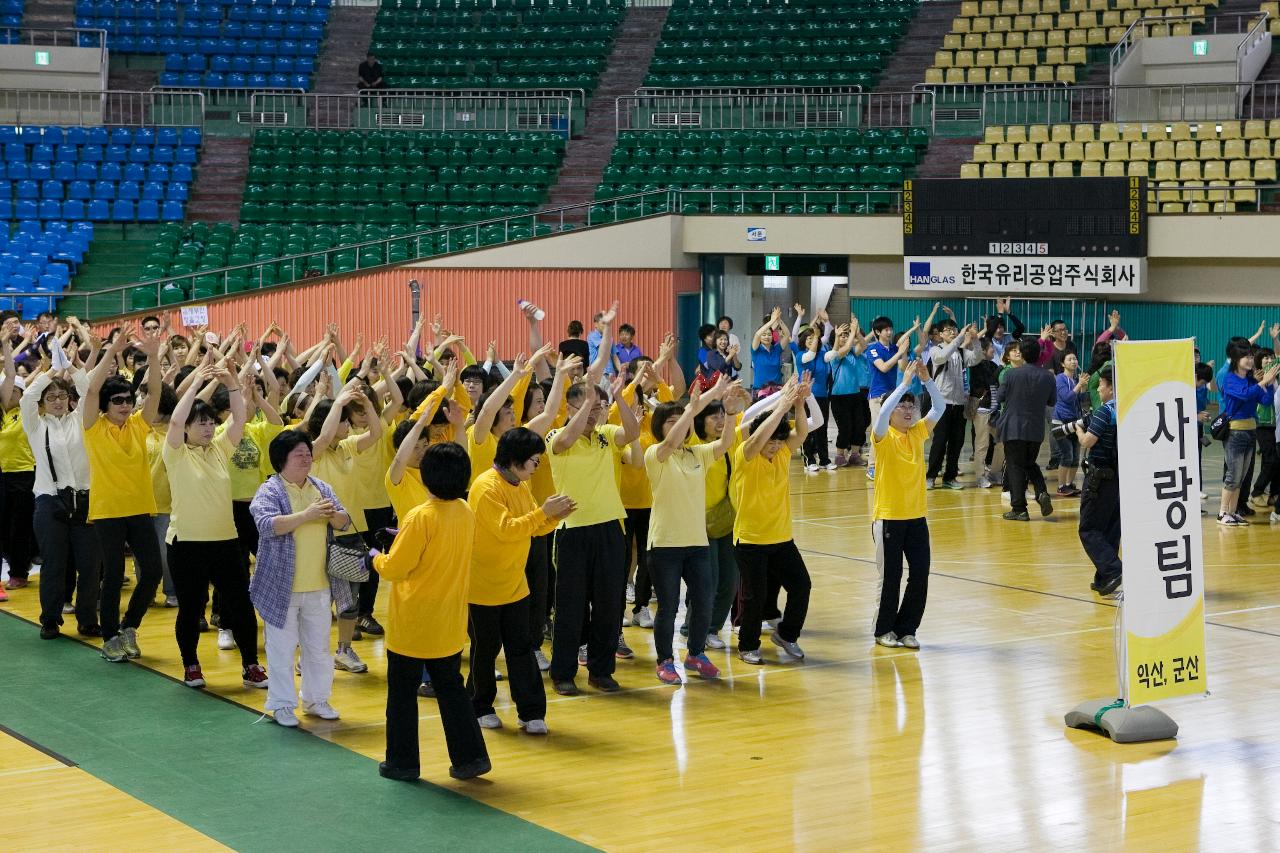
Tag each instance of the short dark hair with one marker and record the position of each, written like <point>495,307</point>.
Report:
<point>1204,372</point>
<point>401,432</point>
<point>1236,351</point>
<point>419,392</point>
<point>1030,349</point>
<point>575,392</point>
<point>715,407</point>
<point>944,323</point>
<point>881,323</point>
<point>150,318</point>
<point>446,470</point>
<point>473,371</point>
<point>528,396</point>
<point>1106,375</point>
<point>59,384</point>
<point>283,444</point>
<point>658,423</point>
<point>984,342</point>
<point>1053,323</point>
<point>704,330</point>
<point>168,400</point>
<point>200,410</point>
<point>113,386</point>
<point>484,398</point>
<point>315,423</point>
<point>574,329</point>
<point>517,446</point>
<point>220,400</point>
<point>178,339</point>
<point>628,328</point>
<point>782,433</point>
<point>723,318</point>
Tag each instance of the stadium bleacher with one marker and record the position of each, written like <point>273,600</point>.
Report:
<point>426,44</point>
<point>40,258</point>
<point>216,44</point>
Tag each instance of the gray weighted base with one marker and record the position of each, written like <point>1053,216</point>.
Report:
<point>1123,725</point>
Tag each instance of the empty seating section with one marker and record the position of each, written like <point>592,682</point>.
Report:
<point>778,171</point>
<point>40,259</point>
<point>770,43</point>
<point>474,44</point>
<point>216,44</point>
<point>10,16</point>
<point>96,173</point>
<point>1044,41</point>
<point>393,177</point>
<point>1195,168</point>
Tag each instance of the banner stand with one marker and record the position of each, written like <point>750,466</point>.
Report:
<point>1110,716</point>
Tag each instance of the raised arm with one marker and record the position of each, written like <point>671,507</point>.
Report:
<point>667,356</point>
<point>542,423</point>
<point>577,424</point>
<point>10,372</point>
<point>767,329</point>
<point>89,405</point>
<point>786,400</point>
<point>542,369</point>
<point>488,413</point>
<point>596,371</point>
<point>329,429</point>
<point>175,434</point>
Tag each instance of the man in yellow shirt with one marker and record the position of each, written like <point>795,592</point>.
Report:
<point>121,502</point>
<point>429,569</point>
<point>590,554</point>
<point>898,512</point>
<point>762,539</point>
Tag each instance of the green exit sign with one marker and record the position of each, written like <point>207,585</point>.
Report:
<point>773,263</point>
<point>42,57</point>
<point>1200,47</point>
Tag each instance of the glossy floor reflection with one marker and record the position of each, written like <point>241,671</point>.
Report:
<point>959,746</point>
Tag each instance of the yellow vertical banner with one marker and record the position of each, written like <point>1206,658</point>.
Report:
<point>1158,439</point>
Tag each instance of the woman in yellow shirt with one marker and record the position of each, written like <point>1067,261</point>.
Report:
<point>429,568</point>
<point>507,519</point>
<point>121,502</point>
<point>762,538</point>
<point>202,542</point>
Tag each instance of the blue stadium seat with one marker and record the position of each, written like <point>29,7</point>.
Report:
<point>73,209</point>
<point>99,210</point>
<point>148,211</point>
<point>123,210</point>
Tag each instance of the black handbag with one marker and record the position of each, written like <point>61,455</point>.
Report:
<point>1220,427</point>
<point>347,557</point>
<point>73,504</point>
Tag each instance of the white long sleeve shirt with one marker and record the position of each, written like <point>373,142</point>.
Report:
<point>65,436</point>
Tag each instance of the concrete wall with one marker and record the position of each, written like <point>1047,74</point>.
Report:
<point>76,69</point>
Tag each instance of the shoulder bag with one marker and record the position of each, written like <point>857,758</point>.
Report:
<point>720,517</point>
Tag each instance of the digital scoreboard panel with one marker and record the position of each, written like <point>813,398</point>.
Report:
<point>1054,236</point>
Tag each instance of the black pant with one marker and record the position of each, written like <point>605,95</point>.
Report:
<point>842,413</point>
<point>590,571</point>
<point>17,534</point>
<point>504,626</point>
<point>461,731</point>
<point>195,565</point>
<point>670,566</point>
<point>1100,523</point>
<point>1268,481</point>
<point>636,531</point>
<point>815,443</point>
<point>896,540</point>
<point>1020,466</point>
<point>59,543</point>
<point>948,441</point>
<point>375,519</point>
<point>755,564</point>
<point>140,534</point>
<point>535,574</point>
<point>246,528</point>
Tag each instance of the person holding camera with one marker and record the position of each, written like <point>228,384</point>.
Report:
<point>1100,500</point>
<point>1072,389</point>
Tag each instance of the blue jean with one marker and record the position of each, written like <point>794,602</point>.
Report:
<point>666,568</point>
<point>1066,450</point>
<point>724,586</point>
<point>1239,453</point>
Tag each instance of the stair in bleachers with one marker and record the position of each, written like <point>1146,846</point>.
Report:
<point>915,51</point>
<point>49,14</point>
<point>218,191</point>
<point>628,63</point>
<point>346,43</point>
<point>945,155</point>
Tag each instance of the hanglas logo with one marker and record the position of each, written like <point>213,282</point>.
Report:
<point>920,273</point>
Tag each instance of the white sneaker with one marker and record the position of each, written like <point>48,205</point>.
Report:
<point>347,659</point>
<point>871,472</point>
<point>323,710</point>
<point>642,618</point>
<point>1274,517</point>
<point>910,642</point>
<point>752,657</point>
<point>226,642</point>
<point>714,642</point>
<point>984,482</point>
<point>889,640</point>
<point>171,601</point>
<point>769,624</point>
<point>787,646</point>
<point>489,721</point>
<point>831,466</point>
<point>534,727</point>
<point>543,663</point>
<point>285,717</point>
<point>812,468</point>
<point>68,608</point>
<point>631,592</point>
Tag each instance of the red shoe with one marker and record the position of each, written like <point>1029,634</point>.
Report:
<point>254,676</point>
<point>192,676</point>
<point>16,583</point>
<point>4,596</point>
<point>701,665</point>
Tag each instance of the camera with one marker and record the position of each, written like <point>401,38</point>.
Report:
<point>1068,429</point>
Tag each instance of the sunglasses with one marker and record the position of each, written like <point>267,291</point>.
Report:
<point>121,400</point>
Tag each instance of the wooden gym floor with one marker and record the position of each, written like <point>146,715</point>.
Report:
<point>959,746</point>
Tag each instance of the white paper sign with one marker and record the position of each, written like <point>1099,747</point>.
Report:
<point>1026,274</point>
<point>195,315</point>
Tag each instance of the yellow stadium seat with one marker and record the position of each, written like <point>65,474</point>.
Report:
<point>981,25</point>
<point>974,41</point>
<point>1139,150</point>
<point>990,7</point>
<point>1021,74</point>
<point>953,41</point>
<point>1131,133</point>
<point>1095,151</point>
<point>1243,192</point>
<point>1060,133</point>
<point>1022,23</point>
<point>1055,56</point>
<point>1050,152</point>
<point>1038,170</point>
<point>993,170</point>
<point>955,77</point>
<point>1113,169</point>
<point>1259,149</point>
<point>993,134</point>
<point>1007,58</point>
<point>1052,7</point>
<point>1228,130</point>
<point>1128,16</point>
<point>1026,56</point>
<point>1077,56</point>
<point>1077,37</point>
<point>1224,207</point>
<point>993,40</point>
<point>1010,7</point>
<point>1044,74</point>
<point>1164,150</point>
<point>1215,170</point>
<point>970,170</point>
<point>998,75</point>
<point>1273,128</point>
<point>1172,207</point>
<point>962,25</point>
<point>1181,28</point>
<point>1138,169</point>
<point>1265,170</point>
<point>1028,152</point>
<point>1118,150</point>
<point>1066,74</point>
<point>1193,191</point>
<point>1086,20</point>
<point>962,59</point>
<point>1030,7</point>
<point>1189,170</point>
<point>1115,34</point>
<point>1210,149</point>
<point>1167,170</point>
<point>1168,191</point>
<point>1108,132</point>
<point>1062,169</point>
<point>984,58</point>
<point>1035,39</point>
<point>1005,152</point>
<point>1015,133</point>
<point>1186,149</point>
<point>1015,170</point>
<point>982,152</point>
<point>1179,130</point>
<point>1219,194</point>
<point>1066,21</point>
<point>1073,151</point>
<point>1233,149</point>
<point>1044,23</point>
<point>1240,170</point>
<point>1015,40</point>
<point>1077,5</point>
<point>1001,24</point>
<point>942,59</point>
<point>1094,36</point>
<point>1152,207</point>
<point>1110,19</point>
<point>1038,133</point>
<point>969,9</point>
<point>976,75</point>
<point>933,77</point>
<point>1271,8</point>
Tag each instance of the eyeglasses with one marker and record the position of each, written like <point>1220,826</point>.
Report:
<point>120,400</point>
<point>906,404</point>
<point>150,328</point>
<point>53,398</point>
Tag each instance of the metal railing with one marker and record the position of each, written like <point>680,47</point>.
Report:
<point>1225,23</point>
<point>1095,104</point>
<point>376,111</point>
<point>56,37</point>
<point>128,109</point>
<point>1256,36</point>
<point>703,91</point>
<point>775,112</point>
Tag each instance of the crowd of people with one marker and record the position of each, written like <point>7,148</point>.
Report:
<point>548,498</point>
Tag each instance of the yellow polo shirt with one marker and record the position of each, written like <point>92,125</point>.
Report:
<point>408,494</point>
<point>429,568</point>
<point>201,488</point>
<point>718,471</point>
<point>482,452</point>
<point>679,517</point>
<point>506,520</point>
<point>310,541</point>
<point>15,450</point>
<point>585,472</point>
<point>337,467</point>
<point>159,475</point>
<point>759,490</point>
<point>900,470</point>
<point>119,468</point>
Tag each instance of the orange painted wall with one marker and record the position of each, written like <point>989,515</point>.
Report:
<point>479,303</point>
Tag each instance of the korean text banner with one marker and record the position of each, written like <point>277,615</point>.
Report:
<point>1158,442</point>
<point>1028,274</point>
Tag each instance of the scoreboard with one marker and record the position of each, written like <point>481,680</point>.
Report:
<point>1053,236</point>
